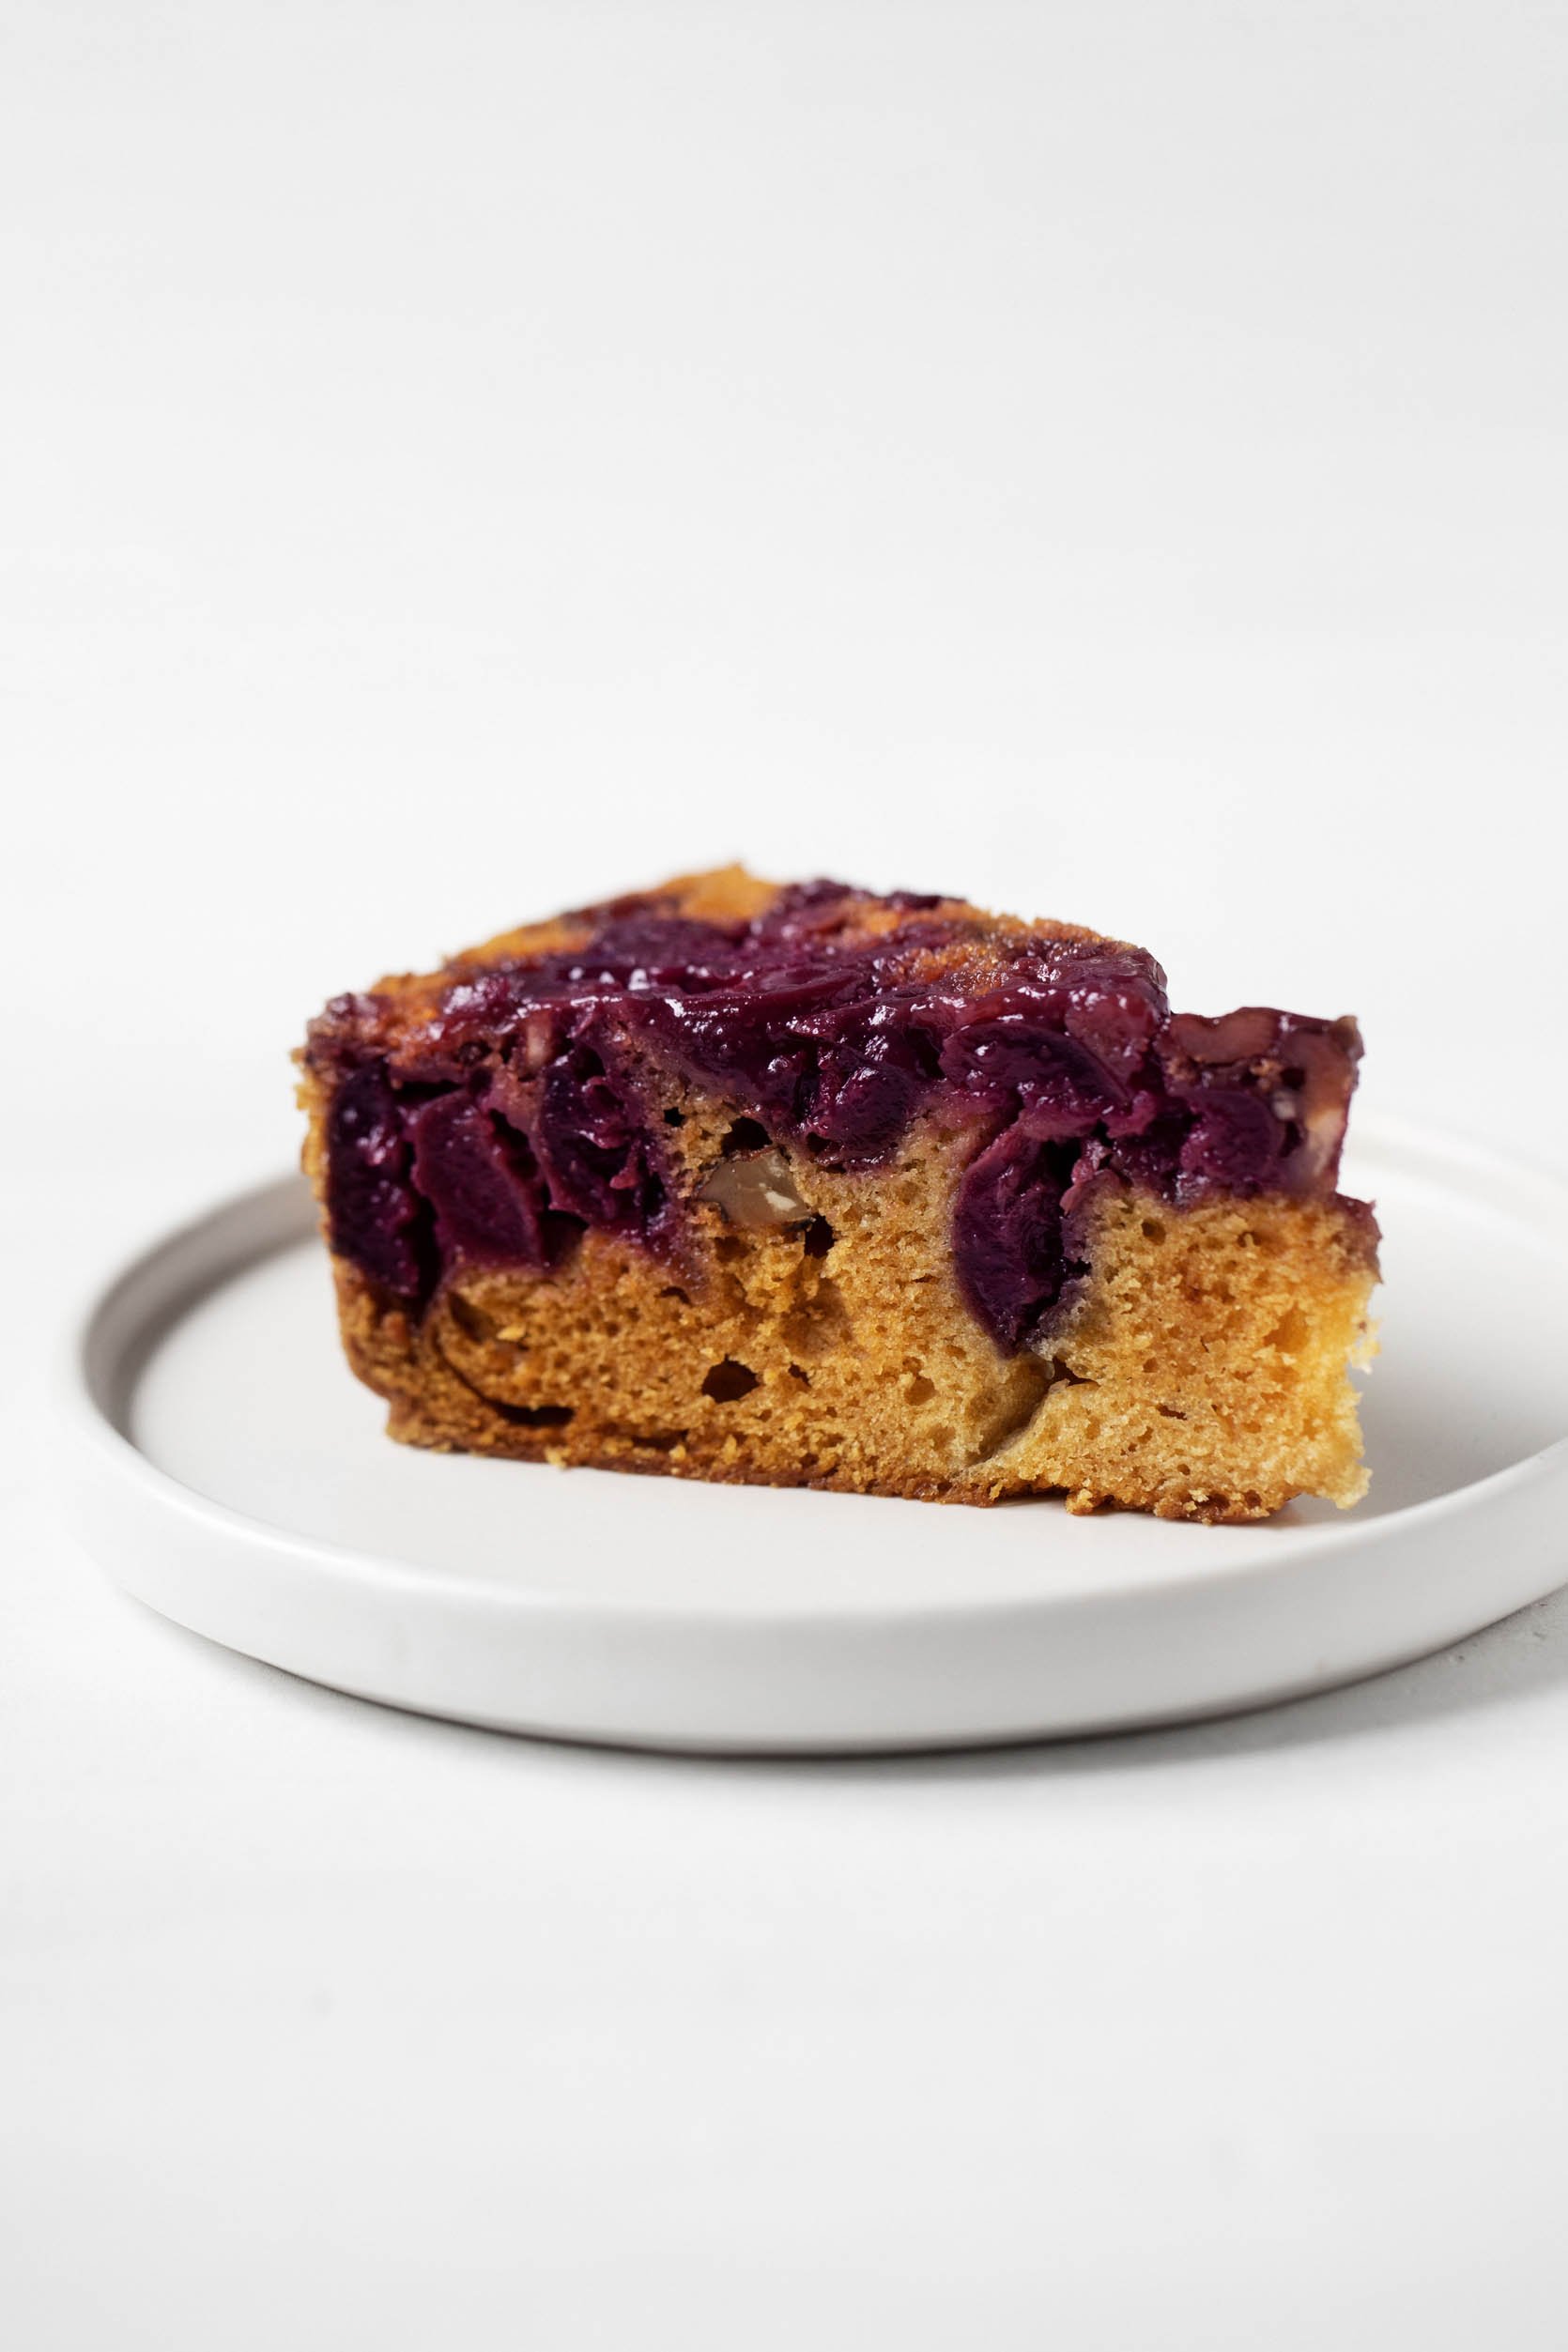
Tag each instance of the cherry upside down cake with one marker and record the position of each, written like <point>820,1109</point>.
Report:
<point>800,1186</point>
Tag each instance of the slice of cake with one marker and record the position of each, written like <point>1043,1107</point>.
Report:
<point>800,1186</point>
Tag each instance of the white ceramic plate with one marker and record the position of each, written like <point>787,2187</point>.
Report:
<point>232,1474</point>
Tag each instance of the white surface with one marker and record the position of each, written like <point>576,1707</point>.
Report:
<point>1108,458</point>
<point>692,1617</point>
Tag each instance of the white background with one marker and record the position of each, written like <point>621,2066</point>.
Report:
<point>1108,459</point>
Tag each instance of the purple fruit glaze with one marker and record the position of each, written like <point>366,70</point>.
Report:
<point>494,1128</point>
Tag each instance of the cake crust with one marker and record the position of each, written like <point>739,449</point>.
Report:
<point>790,1314</point>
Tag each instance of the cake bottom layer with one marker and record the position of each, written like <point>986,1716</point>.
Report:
<point>1200,1372</point>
